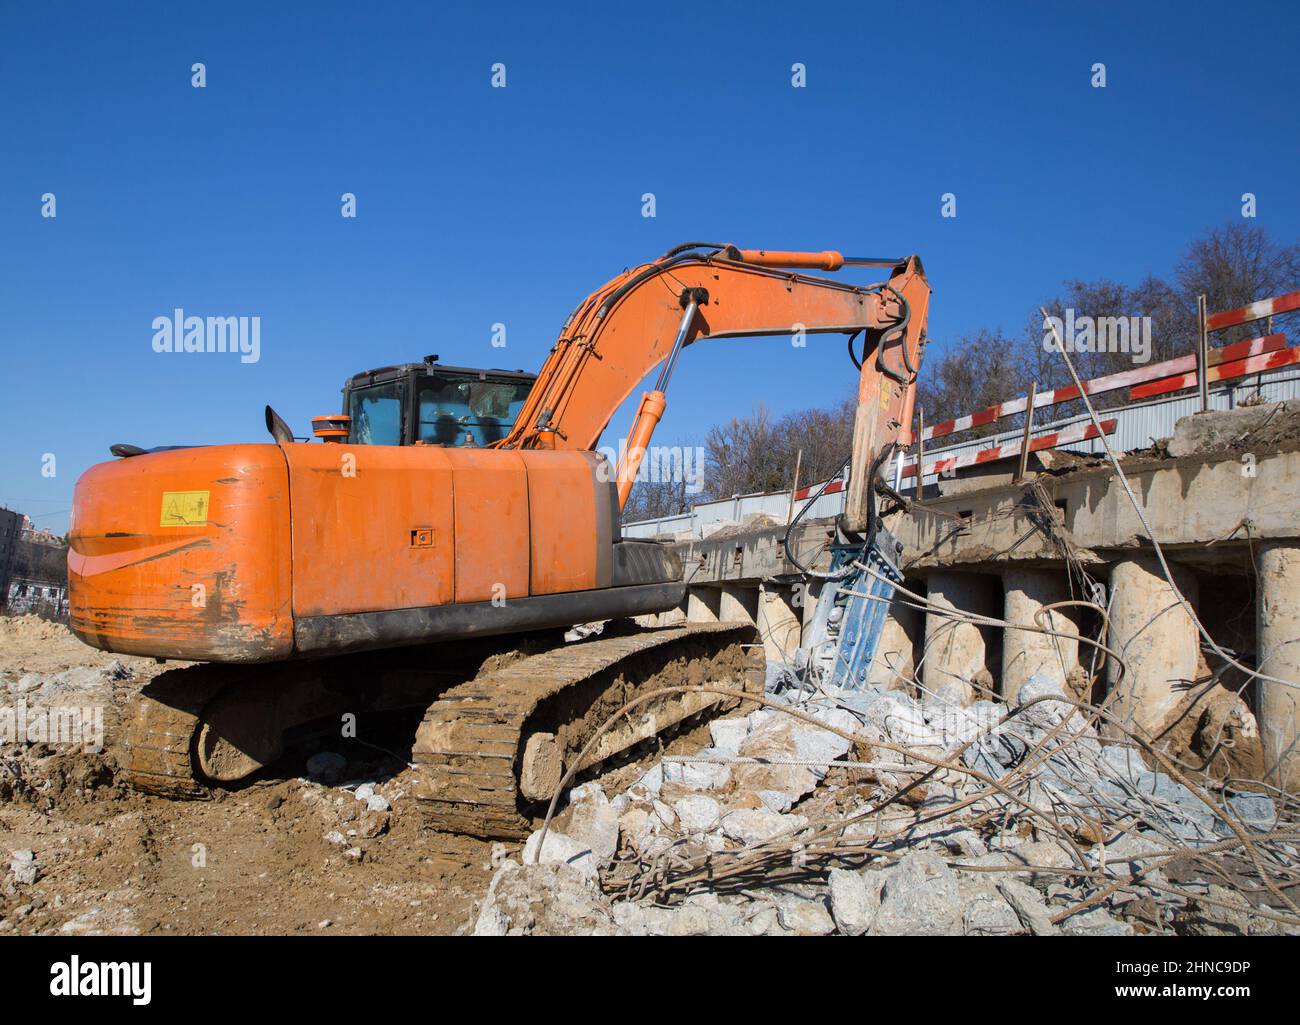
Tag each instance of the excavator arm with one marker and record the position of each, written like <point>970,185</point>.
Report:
<point>646,316</point>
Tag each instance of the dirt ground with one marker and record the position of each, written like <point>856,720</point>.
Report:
<point>253,861</point>
<point>283,855</point>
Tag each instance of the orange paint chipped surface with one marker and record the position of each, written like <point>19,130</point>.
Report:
<point>216,589</point>
<point>316,530</point>
<point>354,510</point>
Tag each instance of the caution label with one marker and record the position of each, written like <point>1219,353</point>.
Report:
<point>184,508</point>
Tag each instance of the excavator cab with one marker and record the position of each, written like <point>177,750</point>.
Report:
<point>428,404</point>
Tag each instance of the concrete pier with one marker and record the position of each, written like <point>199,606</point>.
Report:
<point>778,622</point>
<point>956,652</point>
<point>1278,633</point>
<point>1025,593</point>
<point>894,664</point>
<point>737,604</point>
<point>702,604</point>
<point>1156,638</point>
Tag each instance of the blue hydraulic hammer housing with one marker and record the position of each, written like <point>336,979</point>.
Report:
<point>850,615</point>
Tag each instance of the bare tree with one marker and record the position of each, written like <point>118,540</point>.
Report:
<point>1156,325</point>
<point>650,500</point>
<point>755,453</point>
<point>1234,265</point>
<point>979,370</point>
<point>740,455</point>
<point>818,440</point>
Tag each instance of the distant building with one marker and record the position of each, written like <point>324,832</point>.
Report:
<point>11,528</point>
<point>33,569</point>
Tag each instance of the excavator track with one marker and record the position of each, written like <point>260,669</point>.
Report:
<point>163,750</point>
<point>489,750</point>
<point>164,723</point>
<point>481,753</point>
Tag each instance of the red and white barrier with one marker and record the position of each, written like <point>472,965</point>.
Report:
<point>811,490</point>
<point>1111,382</point>
<point>1221,372</point>
<point>1066,436</point>
<point>1239,359</point>
<point>1255,311</point>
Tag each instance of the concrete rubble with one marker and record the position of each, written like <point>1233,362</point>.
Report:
<point>872,813</point>
<point>1262,428</point>
<point>352,811</point>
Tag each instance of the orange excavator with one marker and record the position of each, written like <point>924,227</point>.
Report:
<point>432,550</point>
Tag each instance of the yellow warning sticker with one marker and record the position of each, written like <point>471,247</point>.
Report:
<point>184,508</point>
<point>886,393</point>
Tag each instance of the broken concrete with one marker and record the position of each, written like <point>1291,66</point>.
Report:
<point>920,872</point>
<point>1247,428</point>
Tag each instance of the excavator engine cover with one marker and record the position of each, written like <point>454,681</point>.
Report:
<point>258,553</point>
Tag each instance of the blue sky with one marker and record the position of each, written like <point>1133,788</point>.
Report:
<point>479,205</point>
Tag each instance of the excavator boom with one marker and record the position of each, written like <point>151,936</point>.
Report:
<point>643,318</point>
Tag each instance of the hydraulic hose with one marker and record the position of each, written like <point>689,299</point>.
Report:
<point>806,571</point>
<point>873,519</point>
<point>880,350</point>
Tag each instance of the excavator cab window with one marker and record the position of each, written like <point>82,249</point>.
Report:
<point>453,410</point>
<point>429,404</point>
<point>376,414</point>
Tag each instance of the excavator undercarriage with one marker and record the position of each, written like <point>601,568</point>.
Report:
<point>503,721</point>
